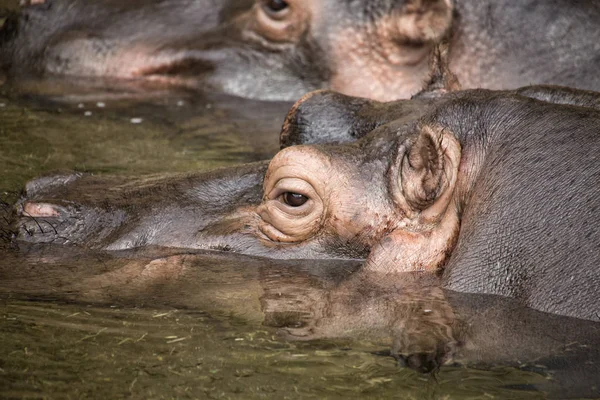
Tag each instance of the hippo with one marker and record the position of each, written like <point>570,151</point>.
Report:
<point>281,49</point>
<point>488,191</point>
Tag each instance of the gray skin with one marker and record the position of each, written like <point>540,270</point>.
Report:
<point>492,192</point>
<point>521,219</point>
<point>379,49</point>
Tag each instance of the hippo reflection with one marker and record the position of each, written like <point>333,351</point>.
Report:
<point>280,49</point>
<point>496,192</point>
<point>409,317</point>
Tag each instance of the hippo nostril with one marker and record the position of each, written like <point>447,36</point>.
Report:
<point>40,210</point>
<point>36,3</point>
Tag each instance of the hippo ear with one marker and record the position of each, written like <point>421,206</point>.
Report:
<point>429,169</point>
<point>422,21</point>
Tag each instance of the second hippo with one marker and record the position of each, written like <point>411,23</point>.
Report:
<point>280,49</point>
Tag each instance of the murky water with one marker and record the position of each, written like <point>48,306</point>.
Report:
<point>102,330</point>
<point>66,351</point>
<point>99,134</point>
<point>212,345</point>
<point>61,350</point>
<point>206,349</point>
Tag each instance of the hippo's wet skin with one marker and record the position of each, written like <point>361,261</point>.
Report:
<point>280,49</point>
<point>496,192</point>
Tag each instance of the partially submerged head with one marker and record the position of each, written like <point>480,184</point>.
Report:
<point>396,186</point>
<point>265,49</point>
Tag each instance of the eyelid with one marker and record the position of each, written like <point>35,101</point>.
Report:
<point>293,185</point>
<point>303,210</point>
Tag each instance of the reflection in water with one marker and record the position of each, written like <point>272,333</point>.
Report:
<point>153,323</point>
<point>92,352</point>
<point>248,305</point>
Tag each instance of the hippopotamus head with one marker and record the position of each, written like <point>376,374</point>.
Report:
<point>226,209</point>
<point>391,177</point>
<point>265,49</point>
<point>495,190</point>
<point>388,170</point>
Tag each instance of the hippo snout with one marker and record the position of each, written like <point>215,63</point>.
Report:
<point>40,221</point>
<point>45,214</point>
<point>43,222</point>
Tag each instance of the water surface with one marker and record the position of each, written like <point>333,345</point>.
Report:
<point>172,340</point>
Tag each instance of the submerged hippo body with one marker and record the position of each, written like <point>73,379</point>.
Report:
<point>280,49</point>
<point>496,192</point>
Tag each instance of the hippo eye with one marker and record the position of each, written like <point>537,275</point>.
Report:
<point>275,6</point>
<point>294,199</point>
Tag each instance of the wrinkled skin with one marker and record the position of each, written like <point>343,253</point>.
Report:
<point>494,192</point>
<point>279,50</point>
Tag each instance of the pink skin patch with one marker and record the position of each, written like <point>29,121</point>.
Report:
<point>25,3</point>
<point>40,210</point>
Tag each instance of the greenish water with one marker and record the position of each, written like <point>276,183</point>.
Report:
<point>59,341</point>
<point>67,351</point>
<point>54,349</point>
<point>125,136</point>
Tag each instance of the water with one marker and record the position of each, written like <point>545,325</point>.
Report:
<point>169,133</point>
<point>202,341</point>
<point>129,342</point>
<point>81,324</point>
<point>92,352</point>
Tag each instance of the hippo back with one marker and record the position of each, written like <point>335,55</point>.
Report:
<point>529,227</point>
